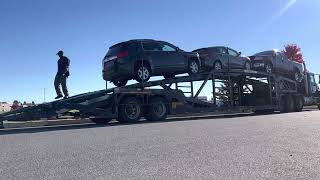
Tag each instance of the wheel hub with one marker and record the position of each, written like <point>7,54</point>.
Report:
<point>159,109</point>
<point>248,66</point>
<point>194,67</point>
<point>143,73</point>
<point>217,66</point>
<point>297,76</point>
<point>268,68</point>
<point>132,110</point>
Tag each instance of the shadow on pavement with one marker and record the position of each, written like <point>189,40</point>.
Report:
<point>115,123</point>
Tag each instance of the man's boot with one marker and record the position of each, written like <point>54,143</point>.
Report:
<point>59,96</point>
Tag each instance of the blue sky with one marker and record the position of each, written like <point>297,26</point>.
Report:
<point>31,32</point>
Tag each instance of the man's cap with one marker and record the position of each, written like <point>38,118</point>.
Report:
<point>60,52</point>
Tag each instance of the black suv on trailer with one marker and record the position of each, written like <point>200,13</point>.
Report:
<point>221,57</point>
<point>142,58</point>
<point>273,61</point>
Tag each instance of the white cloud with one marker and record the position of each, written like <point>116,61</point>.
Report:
<point>282,11</point>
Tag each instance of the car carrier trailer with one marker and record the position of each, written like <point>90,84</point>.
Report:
<point>248,90</point>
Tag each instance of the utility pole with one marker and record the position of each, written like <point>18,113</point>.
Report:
<point>44,95</point>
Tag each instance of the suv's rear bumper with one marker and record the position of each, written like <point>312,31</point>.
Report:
<point>113,71</point>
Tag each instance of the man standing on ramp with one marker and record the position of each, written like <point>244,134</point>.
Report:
<point>62,75</point>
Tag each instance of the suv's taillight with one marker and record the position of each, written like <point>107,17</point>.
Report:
<point>122,54</point>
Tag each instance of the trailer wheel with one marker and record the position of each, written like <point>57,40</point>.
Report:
<point>267,111</point>
<point>130,110</point>
<point>290,104</point>
<point>298,104</point>
<point>157,109</point>
<point>100,120</point>
<point>283,104</point>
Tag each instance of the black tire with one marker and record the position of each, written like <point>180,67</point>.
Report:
<point>217,66</point>
<point>169,76</point>
<point>100,120</point>
<point>283,104</point>
<point>142,72</point>
<point>268,68</point>
<point>298,103</point>
<point>193,67</point>
<point>290,104</point>
<point>130,110</point>
<point>120,83</point>
<point>268,111</point>
<point>247,65</point>
<point>157,109</point>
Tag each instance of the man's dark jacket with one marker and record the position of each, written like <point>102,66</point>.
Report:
<point>63,66</point>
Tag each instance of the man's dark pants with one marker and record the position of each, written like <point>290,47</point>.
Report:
<point>61,80</point>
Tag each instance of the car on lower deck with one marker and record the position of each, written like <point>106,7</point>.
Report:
<point>142,58</point>
<point>276,62</point>
<point>221,57</point>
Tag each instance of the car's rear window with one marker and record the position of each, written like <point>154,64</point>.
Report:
<point>115,49</point>
<point>265,53</point>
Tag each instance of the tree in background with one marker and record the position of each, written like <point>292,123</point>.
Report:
<point>222,94</point>
<point>293,52</point>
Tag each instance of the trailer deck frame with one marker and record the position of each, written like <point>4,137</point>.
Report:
<point>105,103</point>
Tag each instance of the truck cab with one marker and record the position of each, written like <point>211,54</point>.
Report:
<point>312,91</point>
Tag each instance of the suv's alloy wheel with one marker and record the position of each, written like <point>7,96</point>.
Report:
<point>247,66</point>
<point>217,66</point>
<point>193,67</point>
<point>297,77</point>
<point>268,68</point>
<point>143,73</point>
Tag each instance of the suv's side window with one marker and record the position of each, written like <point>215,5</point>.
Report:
<point>151,46</point>
<point>167,47</point>
<point>221,50</point>
<point>280,57</point>
<point>232,52</point>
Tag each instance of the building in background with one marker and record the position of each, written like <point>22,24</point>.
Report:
<point>25,104</point>
<point>4,107</point>
<point>203,98</point>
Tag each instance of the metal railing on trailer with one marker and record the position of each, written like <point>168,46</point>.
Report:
<point>104,103</point>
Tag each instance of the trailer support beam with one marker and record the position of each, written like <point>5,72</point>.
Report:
<point>214,89</point>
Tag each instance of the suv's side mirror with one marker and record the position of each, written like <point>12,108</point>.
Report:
<point>239,54</point>
<point>177,49</point>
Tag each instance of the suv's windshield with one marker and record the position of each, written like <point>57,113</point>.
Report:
<point>232,52</point>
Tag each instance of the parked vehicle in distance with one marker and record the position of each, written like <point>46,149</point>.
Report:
<point>276,62</point>
<point>221,57</point>
<point>142,58</point>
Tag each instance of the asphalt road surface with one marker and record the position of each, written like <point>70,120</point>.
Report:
<point>277,146</point>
